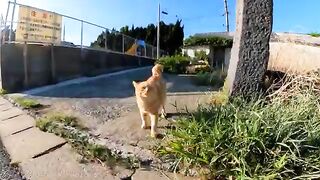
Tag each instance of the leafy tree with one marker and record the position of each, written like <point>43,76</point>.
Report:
<point>171,36</point>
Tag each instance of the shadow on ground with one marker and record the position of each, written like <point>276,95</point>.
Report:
<point>119,86</point>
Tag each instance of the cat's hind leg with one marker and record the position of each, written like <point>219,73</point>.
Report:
<point>144,119</point>
<point>154,124</point>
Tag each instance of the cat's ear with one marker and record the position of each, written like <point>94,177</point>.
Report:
<point>134,83</point>
<point>145,89</point>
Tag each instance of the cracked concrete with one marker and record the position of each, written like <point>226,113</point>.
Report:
<point>32,142</point>
<point>16,124</point>
<point>63,164</point>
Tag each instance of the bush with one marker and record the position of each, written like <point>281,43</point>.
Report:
<point>215,78</point>
<point>201,55</point>
<point>174,64</point>
<point>273,138</point>
<point>314,34</point>
<point>213,41</point>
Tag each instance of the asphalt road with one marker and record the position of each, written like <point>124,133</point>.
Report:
<point>7,172</point>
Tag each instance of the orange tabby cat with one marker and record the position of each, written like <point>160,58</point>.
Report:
<point>150,96</point>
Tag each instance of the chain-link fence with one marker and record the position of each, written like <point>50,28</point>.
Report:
<point>78,33</point>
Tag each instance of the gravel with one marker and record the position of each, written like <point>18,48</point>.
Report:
<point>6,170</point>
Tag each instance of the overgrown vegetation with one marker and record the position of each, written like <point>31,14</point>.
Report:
<point>27,103</point>
<point>277,137</point>
<point>215,78</point>
<point>60,124</point>
<point>213,41</point>
<point>175,64</point>
<point>314,34</point>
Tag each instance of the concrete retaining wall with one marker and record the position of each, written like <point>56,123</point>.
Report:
<point>26,66</point>
<point>293,58</point>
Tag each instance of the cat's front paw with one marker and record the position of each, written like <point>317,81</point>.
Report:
<point>163,115</point>
<point>153,134</point>
<point>143,126</point>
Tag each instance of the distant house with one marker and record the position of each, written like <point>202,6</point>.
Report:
<point>219,53</point>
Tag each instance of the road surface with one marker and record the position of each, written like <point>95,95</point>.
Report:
<point>7,172</point>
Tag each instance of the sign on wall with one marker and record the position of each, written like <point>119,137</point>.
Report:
<point>38,26</point>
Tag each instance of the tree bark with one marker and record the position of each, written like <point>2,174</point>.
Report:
<point>250,51</point>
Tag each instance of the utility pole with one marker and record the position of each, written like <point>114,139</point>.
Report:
<point>226,14</point>
<point>158,33</point>
<point>1,22</point>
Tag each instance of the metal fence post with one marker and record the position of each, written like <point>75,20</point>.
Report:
<point>11,25</point>
<point>5,24</point>
<point>123,43</point>
<point>81,33</point>
<point>53,65</point>
<point>25,64</point>
<point>105,41</point>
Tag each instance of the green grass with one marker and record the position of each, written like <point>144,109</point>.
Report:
<point>314,34</point>
<point>27,103</point>
<point>265,139</point>
<point>59,123</point>
<point>3,92</point>
<point>48,121</point>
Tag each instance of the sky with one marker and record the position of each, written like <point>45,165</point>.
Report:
<point>197,16</point>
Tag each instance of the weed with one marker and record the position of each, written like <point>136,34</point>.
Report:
<point>27,103</point>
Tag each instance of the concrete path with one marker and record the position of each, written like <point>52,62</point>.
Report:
<point>41,155</point>
<point>44,156</point>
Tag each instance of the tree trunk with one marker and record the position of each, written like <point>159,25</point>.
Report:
<point>250,51</point>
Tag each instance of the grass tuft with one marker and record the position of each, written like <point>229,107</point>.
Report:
<point>27,103</point>
<point>46,122</point>
<point>3,92</point>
